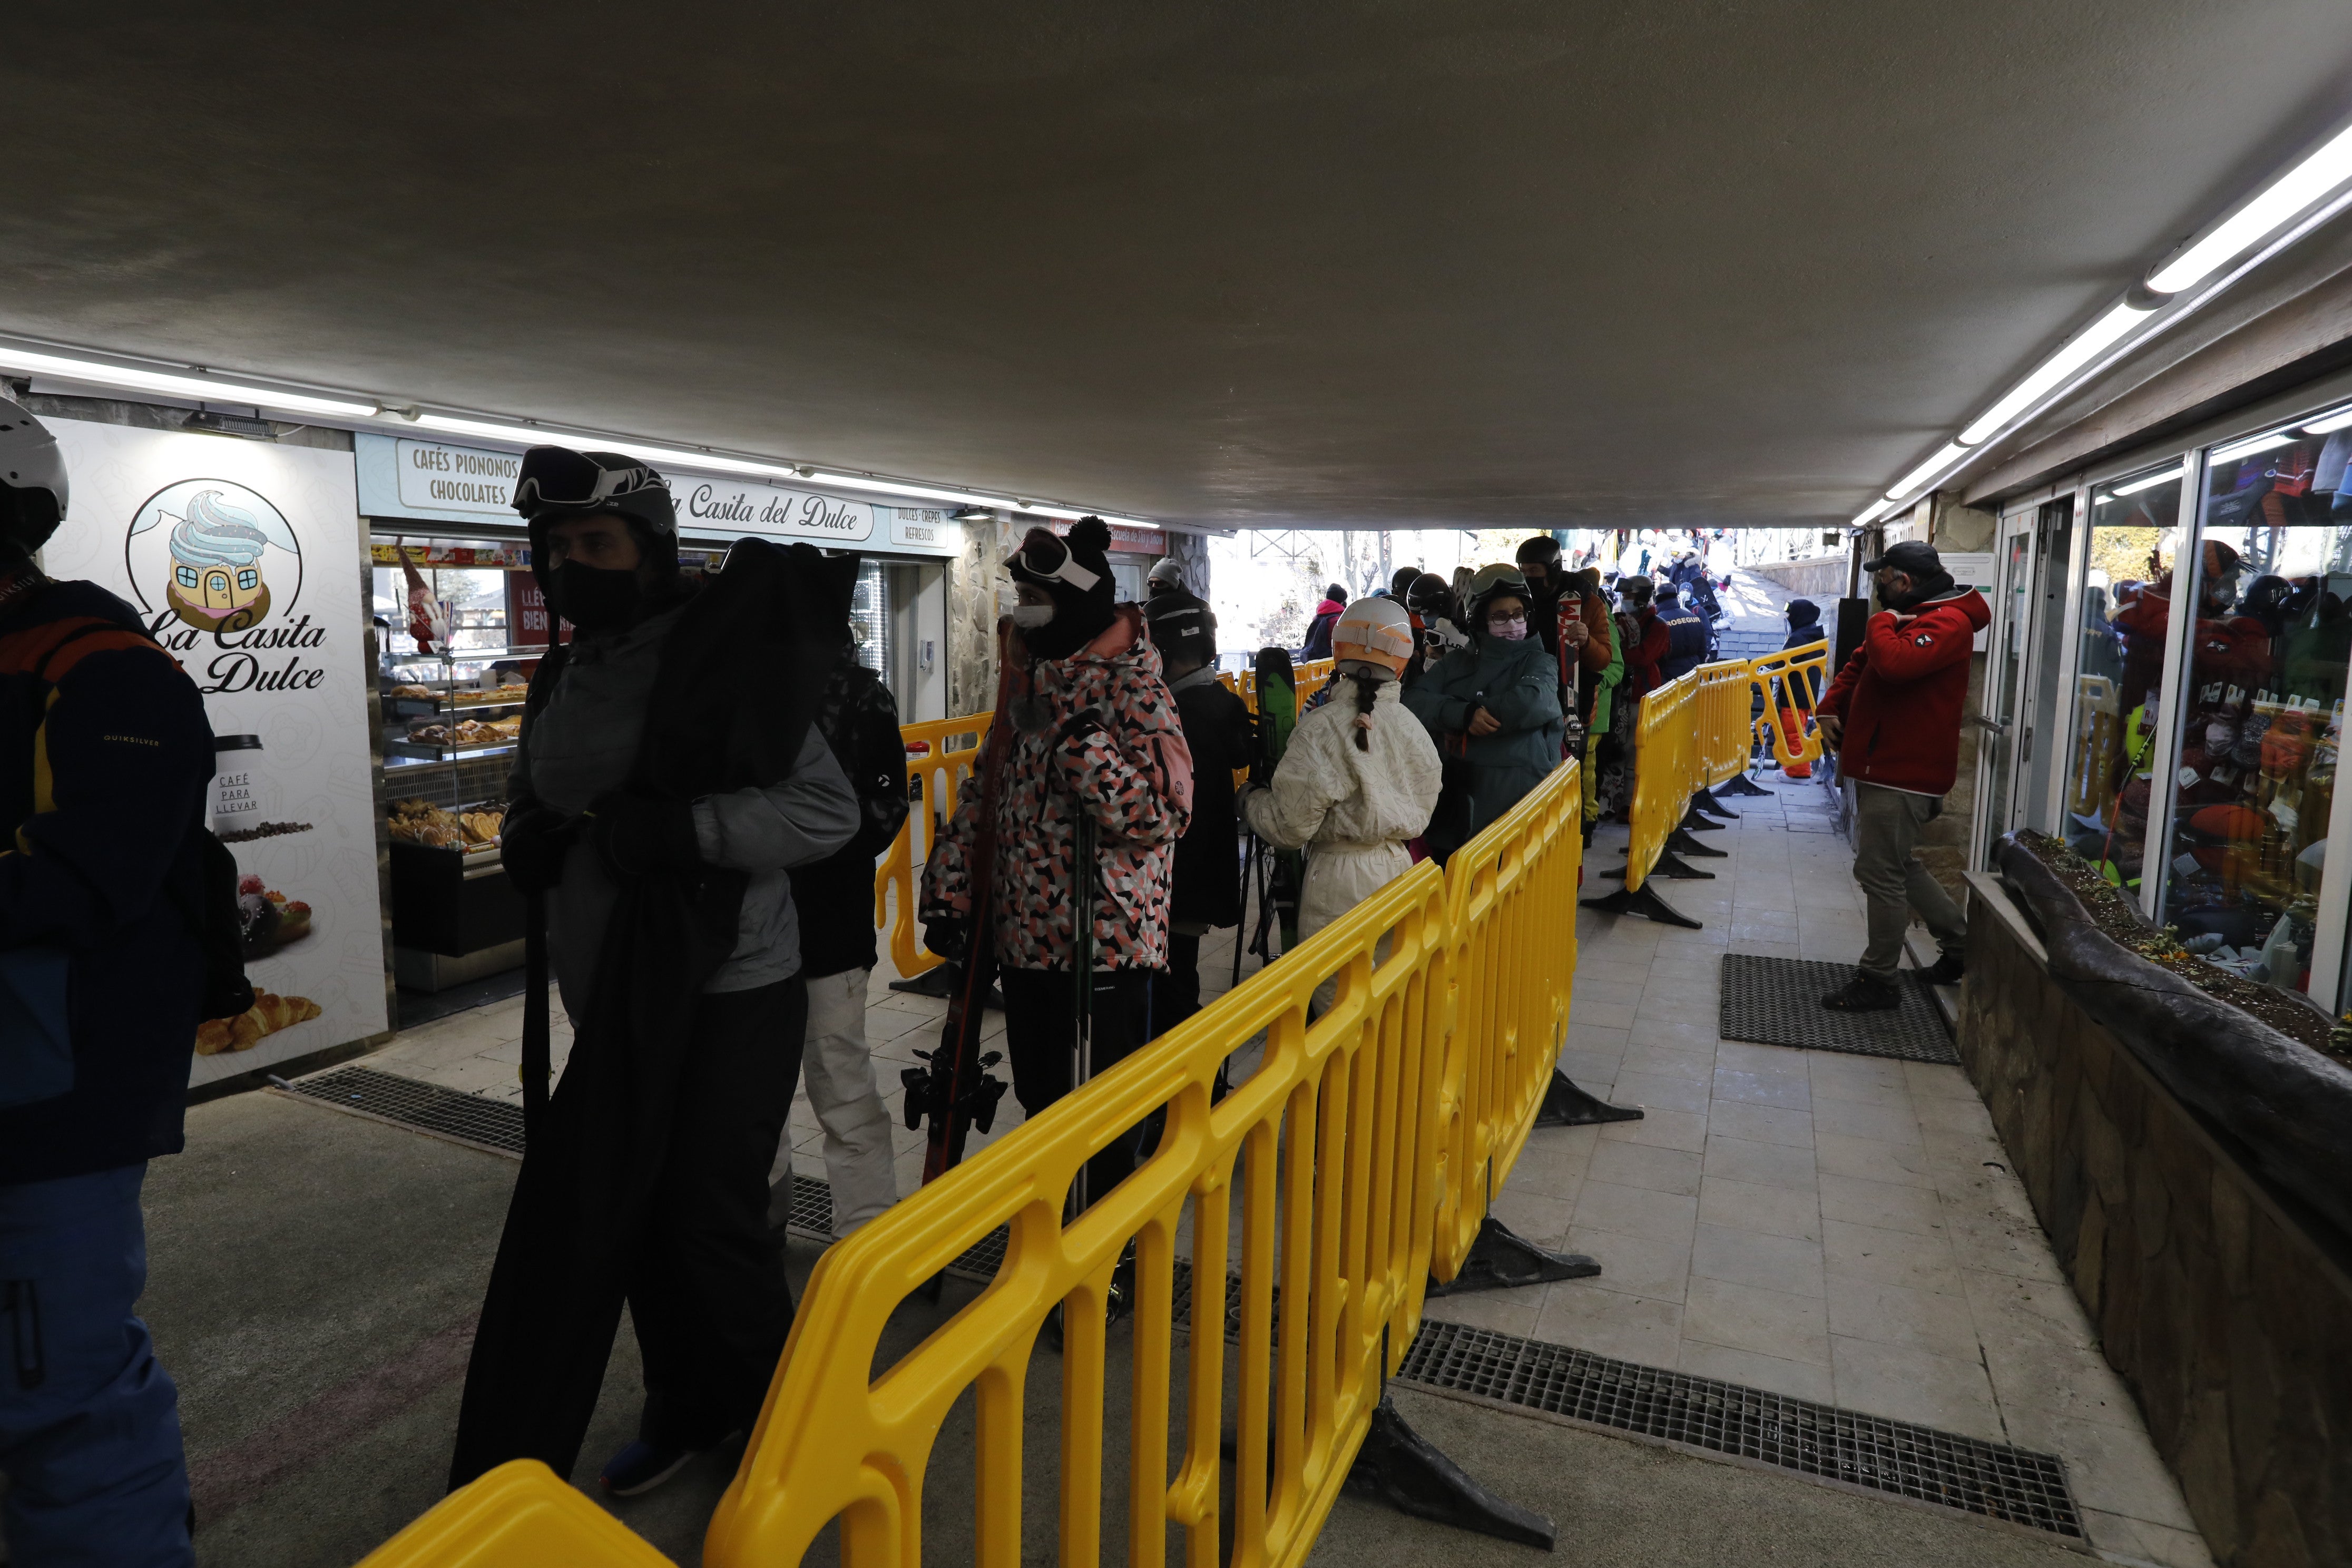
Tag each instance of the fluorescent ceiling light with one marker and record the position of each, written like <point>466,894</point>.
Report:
<point>785,473</point>
<point>2329,423</point>
<point>2072,355</point>
<point>2148,482</point>
<point>1871,514</point>
<point>1951,453</point>
<point>2287,195</point>
<point>202,388</point>
<point>2252,445</point>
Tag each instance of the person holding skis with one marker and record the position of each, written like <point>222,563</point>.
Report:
<point>668,778</point>
<point>1096,790</point>
<point>860,722</point>
<point>1205,893</point>
<point>1494,705</point>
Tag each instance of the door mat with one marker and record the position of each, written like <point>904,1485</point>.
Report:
<point>1777,1002</point>
<point>1995,1481</point>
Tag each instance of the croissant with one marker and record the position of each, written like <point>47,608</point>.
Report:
<point>268,1014</point>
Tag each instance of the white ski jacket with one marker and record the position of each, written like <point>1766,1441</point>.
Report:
<point>1352,810</point>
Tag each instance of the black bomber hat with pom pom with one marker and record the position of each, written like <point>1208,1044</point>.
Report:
<point>1076,570</point>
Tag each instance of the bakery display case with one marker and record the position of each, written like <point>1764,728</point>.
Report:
<point>451,708</point>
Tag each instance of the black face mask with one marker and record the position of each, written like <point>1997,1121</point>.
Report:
<point>593,598</point>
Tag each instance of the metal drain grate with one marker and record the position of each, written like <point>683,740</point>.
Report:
<point>486,1123</point>
<point>1777,1002</point>
<point>495,1125</point>
<point>1993,1480</point>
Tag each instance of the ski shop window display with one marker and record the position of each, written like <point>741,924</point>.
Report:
<point>2118,667</point>
<point>2262,711</point>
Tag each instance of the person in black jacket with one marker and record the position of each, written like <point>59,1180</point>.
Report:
<point>1685,634</point>
<point>860,722</point>
<point>1319,630</point>
<point>1204,893</point>
<point>106,793</point>
<point>1804,628</point>
<point>669,775</point>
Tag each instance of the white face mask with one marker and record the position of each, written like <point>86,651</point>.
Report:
<point>1029,617</point>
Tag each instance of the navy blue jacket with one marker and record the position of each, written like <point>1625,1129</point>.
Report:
<point>106,763</point>
<point>1687,647</point>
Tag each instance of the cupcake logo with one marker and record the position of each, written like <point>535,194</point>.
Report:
<point>213,554</point>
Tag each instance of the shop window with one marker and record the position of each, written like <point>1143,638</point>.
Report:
<point>2118,665</point>
<point>2261,711</point>
<point>869,618</point>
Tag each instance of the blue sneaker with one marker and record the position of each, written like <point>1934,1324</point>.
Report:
<point>640,1467</point>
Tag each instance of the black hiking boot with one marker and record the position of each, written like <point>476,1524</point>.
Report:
<point>1863,994</point>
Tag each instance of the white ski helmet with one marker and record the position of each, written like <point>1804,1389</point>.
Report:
<point>32,479</point>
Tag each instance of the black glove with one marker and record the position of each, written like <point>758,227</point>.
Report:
<point>531,846</point>
<point>636,835</point>
<point>949,936</point>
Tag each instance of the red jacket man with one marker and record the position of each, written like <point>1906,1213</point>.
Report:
<point>1897,702</point>
<point>1645,652</point>
<point>1894,715</point>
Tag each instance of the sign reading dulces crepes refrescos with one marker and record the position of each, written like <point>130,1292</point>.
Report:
<point>243,559</point>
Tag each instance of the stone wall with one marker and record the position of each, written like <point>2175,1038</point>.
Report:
<point>1823,576</point>
<point>2228,1317</point>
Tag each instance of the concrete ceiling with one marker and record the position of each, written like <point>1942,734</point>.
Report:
<point>1475,263</point>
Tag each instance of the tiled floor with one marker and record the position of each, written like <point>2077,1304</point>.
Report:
<point>479,1052</point>
<point>1840,1227</point>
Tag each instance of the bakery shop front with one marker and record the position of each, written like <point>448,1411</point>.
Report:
<point>459,625</point>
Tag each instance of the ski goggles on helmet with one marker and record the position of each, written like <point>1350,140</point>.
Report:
<point>1043,558</point>
<point>557,478</point>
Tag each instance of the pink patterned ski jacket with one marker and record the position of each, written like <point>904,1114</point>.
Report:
<point>1133,775</point>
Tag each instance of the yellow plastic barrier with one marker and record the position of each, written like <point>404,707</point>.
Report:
<point>1307,679</point>
<point>1723,703</point>
<point>517,1516</point>
<point>1510,904</point>
<point>1666,756</point>
<point>1793,681</point>
<point>1332,1141</point>
<point>948,748</point>
<point>1348,1141</point>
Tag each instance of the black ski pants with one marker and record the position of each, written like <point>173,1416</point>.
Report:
<point>1040,1014</point>
<point>709,1299</point>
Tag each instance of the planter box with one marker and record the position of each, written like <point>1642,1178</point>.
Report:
<point>2192,1167</point>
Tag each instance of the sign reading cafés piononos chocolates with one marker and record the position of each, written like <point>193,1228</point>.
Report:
<point>433,481</point>
<point>243,559</point>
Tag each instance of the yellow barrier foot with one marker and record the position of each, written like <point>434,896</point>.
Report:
<point>1740,784</point>
<point>1399,1464</point>
<point>1681,843</point>
<point>1670,866</point>
<point>1566,1105</point>
<point>1643,901</point>
<point>1502,1259</point>
<point>1700,801</point>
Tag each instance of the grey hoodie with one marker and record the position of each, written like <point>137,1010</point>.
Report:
<point>584,742</point>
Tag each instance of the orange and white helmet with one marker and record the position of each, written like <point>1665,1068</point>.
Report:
<point>1377,631</point>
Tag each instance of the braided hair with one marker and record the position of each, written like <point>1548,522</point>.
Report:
<point>1367,690</point>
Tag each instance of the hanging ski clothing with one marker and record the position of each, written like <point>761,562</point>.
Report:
<point>1352,810</point>
<point>1111,743</point>
<point>680,974</point>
